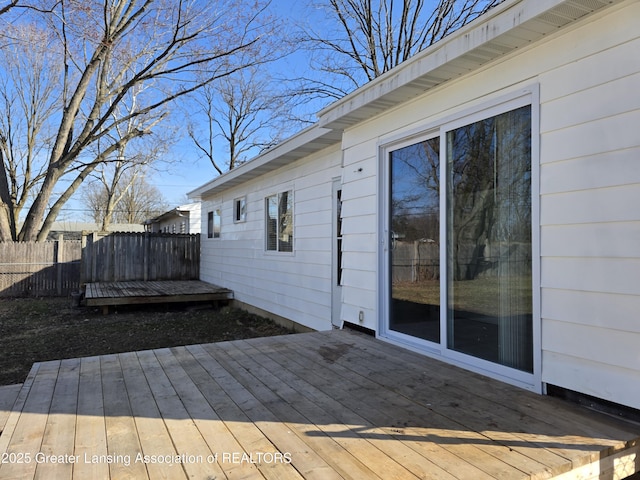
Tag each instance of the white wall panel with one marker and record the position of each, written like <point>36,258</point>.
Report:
<point>606,310</point>
<point>608,169</point>
<point>619,385</point>
<point>612,240</point>
<point>602,275</point>
<point>595,103</point>
<point>293,285</point>
<point>613,204</point>
<point>584,139</point>
<point>615,348</point>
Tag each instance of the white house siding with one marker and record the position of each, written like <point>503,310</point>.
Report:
<point>359,237</point>
<point>294,285</point>
<point>588,78</point>
<point>590,220</point>
<point>195,217</point>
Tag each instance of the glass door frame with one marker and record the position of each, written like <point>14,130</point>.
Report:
<point>501,104</point>
<point>384,296</point>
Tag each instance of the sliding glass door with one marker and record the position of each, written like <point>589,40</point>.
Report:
<point>415,239</point>
<point>489,288</point>
<point>478,303</point>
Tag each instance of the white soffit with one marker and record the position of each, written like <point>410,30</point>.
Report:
<point>507,27</point>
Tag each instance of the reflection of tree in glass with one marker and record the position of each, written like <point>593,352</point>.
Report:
<point>286,222</point>
<point>489,193</point>
<point>415,191</point>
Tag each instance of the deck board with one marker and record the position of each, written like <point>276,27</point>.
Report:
<point>472,452</point>
<point>329,382</point>
<point>107,294</point>
<point>496,408</point>
<point>338,404</point>
<point>8,396</point>
<point>91,433</point>
<point>319,409</point>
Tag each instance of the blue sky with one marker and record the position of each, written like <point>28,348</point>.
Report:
<point>190,171</point>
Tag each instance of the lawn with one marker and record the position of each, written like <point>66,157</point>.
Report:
<point>40,329</point>
<point>480,296</point>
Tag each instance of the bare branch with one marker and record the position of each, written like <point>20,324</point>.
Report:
<point>108,51</point>
<point>371,37</point>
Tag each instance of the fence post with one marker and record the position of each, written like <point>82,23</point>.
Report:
<point>145,255</point>
<point>84,258</point>
<point>58,260</point>
<point>94,257</point>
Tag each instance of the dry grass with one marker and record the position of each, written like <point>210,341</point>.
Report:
<point>481,295</point>
<point>35,330</point>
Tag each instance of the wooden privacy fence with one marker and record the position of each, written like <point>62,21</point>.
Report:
<point>415,261</point>
<point>120,257</point>
<point>39,269</point>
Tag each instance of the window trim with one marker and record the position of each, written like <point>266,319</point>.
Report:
<point>240,209</point>
<point>211,223</point>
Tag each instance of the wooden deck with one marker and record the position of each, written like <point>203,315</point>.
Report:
<point>128,293</point>
<point>8,396</point>
<point>305,406</point>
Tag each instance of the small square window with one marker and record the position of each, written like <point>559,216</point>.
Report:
<point>240,209</point>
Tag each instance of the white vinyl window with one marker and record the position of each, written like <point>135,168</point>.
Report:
<point>213,223</point>
<point>240,209</point>
<point>279,222</point>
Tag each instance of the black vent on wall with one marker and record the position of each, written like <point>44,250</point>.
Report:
<point>594,403</point>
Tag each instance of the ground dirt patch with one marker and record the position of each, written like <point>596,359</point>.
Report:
<point>40,329</point>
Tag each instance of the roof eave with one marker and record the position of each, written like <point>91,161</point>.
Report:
<point>511,25</point>
<point>304,143</point>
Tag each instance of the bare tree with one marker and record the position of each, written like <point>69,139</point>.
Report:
<point>29,99</point>
<point>245,110</point>
<point>133,157</point>
<point>113,182</point>
<point>173,46</point>
<point>373,36</point>
<point>138,200</point>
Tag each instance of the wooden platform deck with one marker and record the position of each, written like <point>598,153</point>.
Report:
<point>305,406</point>
<point>129,293</point>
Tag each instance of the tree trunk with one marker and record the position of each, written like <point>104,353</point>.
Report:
<point>107,219</point>
<point>55,209</point>
<point>38,208</point>
<point>5,226</point>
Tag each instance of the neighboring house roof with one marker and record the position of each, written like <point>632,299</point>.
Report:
<point>180,211</point>
<point>504,29</point>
